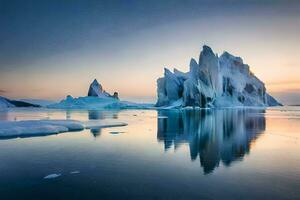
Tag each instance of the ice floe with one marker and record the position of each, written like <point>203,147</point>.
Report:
<point>38,127</point>
<point>29,128</point>
<point>96,124</point>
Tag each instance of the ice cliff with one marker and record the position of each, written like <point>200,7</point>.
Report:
<point>214,81</point>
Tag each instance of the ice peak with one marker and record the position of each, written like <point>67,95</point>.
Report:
<point>193,62</point>
<point>193,68</point>
<point>206,50</point>
<point>206,56</point>
<point>95,82</point>
<point>176,71</point>
<point>226,54</point>
<point>167,71</point>
<point>229,56</point>
<point>96,90</point>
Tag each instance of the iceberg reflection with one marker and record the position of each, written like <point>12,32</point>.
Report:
<point>100,115</point>
<point>213,136</point>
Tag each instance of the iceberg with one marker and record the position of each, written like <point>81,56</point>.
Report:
<point>97,99</point>
<point>96,90</point>
<point>5,104</point>
<point>214,81</point>
<point>97,103</point>
<point>75,172</point>
<point>39,102</point>
<point>8,103</point>
<point>51,176</point>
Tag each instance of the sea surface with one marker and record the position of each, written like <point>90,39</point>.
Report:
<point>187,154</point>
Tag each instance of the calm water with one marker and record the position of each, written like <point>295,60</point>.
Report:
<point>216,154</point>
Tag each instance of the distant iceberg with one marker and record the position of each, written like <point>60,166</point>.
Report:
<point>9,103</point>
<point>96,90</point>
<point>97,99</point>
<point>97,103</point>
<point>214,81</point>
<point>39,102</point>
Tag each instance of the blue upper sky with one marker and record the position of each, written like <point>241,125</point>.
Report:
<point>49,49</point>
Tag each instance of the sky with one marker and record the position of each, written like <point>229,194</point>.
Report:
<point>49,49</point>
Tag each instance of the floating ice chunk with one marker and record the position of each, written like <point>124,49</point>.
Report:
<point>51,176</point>
<point>30,128</point>
<point>38,127</point>
<point>75,172</point>
<point>72,125</point>
<point>96,124</point>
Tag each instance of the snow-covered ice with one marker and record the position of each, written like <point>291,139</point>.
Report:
<point>105,123</point>
<point>28,128</point>
<point>97,103</point>
<point>38,127</point>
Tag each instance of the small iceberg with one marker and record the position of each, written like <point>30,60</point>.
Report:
<point>52,176</point>
<point>75,172</point>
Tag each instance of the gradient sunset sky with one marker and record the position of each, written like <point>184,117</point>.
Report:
<point>49,49</point>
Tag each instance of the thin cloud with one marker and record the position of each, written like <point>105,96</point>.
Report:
<point>2,92</point>
<point>283,82</point>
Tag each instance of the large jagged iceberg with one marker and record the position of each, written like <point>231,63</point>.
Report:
<point>214,81</point>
